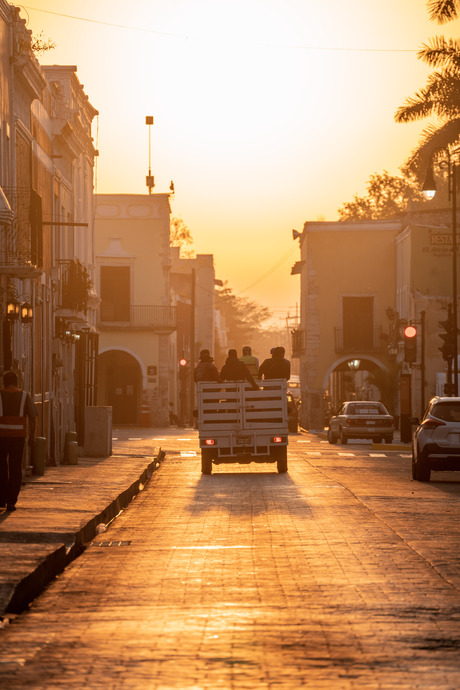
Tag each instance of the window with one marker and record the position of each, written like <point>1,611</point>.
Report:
<point>358,322</point>
<point>115,293</point>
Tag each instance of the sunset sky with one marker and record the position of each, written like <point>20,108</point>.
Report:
<point>268,113</point>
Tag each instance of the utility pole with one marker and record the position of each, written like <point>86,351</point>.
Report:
<point>192,345</point>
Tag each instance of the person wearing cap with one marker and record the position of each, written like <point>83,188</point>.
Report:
<point>235,370</point>
<point>251,362</point>
<point>206,370</point>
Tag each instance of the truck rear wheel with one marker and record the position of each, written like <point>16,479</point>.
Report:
<point>280,453</point>
<point>206,461</point>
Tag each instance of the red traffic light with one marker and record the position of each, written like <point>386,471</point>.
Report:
<point>183,362</point>
<point>410,331</point>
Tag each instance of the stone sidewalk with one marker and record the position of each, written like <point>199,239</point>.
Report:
<point>58,513</point>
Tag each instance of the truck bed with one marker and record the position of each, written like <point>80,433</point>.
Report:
<point>239,424</point>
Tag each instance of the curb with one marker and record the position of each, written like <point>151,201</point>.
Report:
<point>26,590</point>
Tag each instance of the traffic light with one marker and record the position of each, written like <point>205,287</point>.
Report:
<point>447,347</point>
<point>410,344</point>
<point>182,368</point>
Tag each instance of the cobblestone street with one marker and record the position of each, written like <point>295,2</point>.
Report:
<point>344,573</point>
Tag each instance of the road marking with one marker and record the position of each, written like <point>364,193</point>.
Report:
<point>346,455</point>
<point>314,452</point>
<point>188,453</point>
<point>135,438</point>
<point>377,455</point>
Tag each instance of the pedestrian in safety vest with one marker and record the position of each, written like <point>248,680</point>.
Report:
<point>251,362</point>
<point>17,422</point>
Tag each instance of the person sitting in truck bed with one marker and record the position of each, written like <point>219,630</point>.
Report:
<point>235,370</point>
<point>206,370</point>
<point>276,366</point>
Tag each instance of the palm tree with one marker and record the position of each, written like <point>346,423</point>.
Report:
<point>440,98</point>
<point>443,11</point>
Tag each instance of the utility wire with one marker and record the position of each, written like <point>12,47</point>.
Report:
<point>199,38</point>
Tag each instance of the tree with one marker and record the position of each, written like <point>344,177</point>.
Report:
<point>243,320</point>
<point>387,195</point>
<point>441,96</point>
<point>39,44</point>
<point>180,235</point>
<point>443,11</point>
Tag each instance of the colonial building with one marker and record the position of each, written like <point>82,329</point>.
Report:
<point>193,286</point>
<point>46,252</point>
<point>361,285</point>
<point>136,317</point>
<point>348,284</point>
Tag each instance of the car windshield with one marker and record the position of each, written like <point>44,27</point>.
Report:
<point>447,411</point>
<point>366,408</point>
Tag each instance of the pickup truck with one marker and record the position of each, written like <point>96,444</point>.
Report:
<point>238,424</point>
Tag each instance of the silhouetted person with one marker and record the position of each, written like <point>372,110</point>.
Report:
<point>17,422</point>
<point>277,366</point>
<point>235,370</point>
<point>206,370</point>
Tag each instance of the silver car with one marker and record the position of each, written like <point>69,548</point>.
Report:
<point>436,440</point>
<point>361,419</point>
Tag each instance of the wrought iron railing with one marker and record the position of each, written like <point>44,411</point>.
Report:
<point>74,285</point>
<point>352,340</point>
<point>138,316</point>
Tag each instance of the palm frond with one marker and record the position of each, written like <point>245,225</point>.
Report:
<point>440,97</point>
<point>443,11</point>
<point>433,137</point>
<point>441,53</point>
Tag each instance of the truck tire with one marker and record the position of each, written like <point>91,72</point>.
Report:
<point>280,454</point>
<point>206,461</point>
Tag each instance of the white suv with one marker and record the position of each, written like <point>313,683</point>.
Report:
<point>436,440</point>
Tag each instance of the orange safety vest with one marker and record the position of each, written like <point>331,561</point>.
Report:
<point>14,425</point>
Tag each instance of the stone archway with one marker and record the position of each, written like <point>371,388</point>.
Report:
<point>119,382</point>
<point>368,378</point>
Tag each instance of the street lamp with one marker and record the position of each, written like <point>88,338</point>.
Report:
<point>428,191</point>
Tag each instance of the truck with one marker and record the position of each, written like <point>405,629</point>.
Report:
<point>238,424</point>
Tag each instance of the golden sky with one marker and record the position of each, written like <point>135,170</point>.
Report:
<point>268,113</point>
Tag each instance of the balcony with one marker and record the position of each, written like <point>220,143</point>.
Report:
<point>141,317</point>
<point>298,342</point>
<point>349,341</point>
<point>73,287</point>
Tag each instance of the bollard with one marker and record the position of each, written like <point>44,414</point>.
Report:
<point>71,453</point>
<point>70,438</point>
<point>38,455</point>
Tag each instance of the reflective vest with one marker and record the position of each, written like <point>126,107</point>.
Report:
<point>14,425</point>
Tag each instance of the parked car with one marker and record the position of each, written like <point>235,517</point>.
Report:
<point>436,440</point>
<point>293,386</point>
<point>361,419</point>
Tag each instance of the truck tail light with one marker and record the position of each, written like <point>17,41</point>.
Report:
<point>277,439</point>
<point>210,442</point>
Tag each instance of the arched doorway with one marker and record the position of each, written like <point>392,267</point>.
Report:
<point>360,378</point>
<point>120,386</point>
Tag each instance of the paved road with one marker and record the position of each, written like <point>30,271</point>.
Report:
<point>344,573</point>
